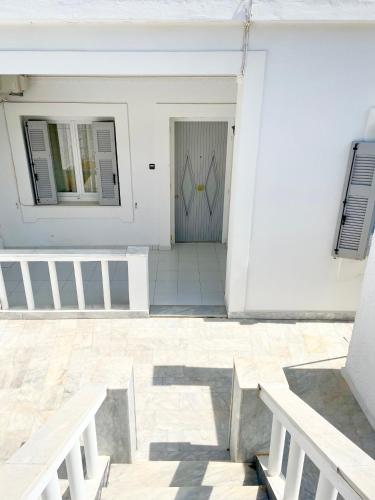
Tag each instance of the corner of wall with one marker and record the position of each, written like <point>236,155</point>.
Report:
<point>357,395</point>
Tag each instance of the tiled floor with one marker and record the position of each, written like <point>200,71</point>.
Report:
<point>183,370</point>
<point>189,274</point>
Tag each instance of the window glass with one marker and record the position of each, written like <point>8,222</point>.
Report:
<point>86,147</point>
<point>62,157</point>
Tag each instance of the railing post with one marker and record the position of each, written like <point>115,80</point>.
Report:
<point>75,473</point>
<point>294,471</point>
<point>79,284</point>
<point>138,279</point>
<point>52,490</point>
<point>106,285</point>
<point>54,284</point>
<point>275,459</point>
<point>91,449</point>
<point>325,490</point>
<point>27,285</point>
<point>4,304</point>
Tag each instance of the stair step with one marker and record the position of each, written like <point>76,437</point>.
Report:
<point>188,473</point>
<point>231,492</point>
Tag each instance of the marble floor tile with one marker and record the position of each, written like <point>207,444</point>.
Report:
<point>183,370</point>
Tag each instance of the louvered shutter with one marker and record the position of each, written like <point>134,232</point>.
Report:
<point>41,162</point>
<point>106,163</point>
<point>356,218</point>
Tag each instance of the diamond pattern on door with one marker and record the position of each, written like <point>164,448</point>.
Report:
<point>200,161</point>
<point>187,185</point>
<point>212,185</point>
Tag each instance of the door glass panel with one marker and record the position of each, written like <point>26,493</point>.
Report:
<point>86,147</point>
<point>62,157</point>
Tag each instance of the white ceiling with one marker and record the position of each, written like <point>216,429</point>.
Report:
<point>185,10</point>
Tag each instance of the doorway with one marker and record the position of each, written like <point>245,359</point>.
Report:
<point>200,159</point>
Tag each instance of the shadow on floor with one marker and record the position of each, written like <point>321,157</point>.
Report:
<point>326,391</point>
<point>219,381</point>
<point>186,451</point>
<point>280,322</point>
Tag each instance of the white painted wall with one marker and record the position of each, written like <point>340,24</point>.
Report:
<point>317,94</point>
<point>359,370</point>
<point>151,218</point>
<point>318,91</point>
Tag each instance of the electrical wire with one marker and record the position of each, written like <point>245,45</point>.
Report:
<point>246,36</point>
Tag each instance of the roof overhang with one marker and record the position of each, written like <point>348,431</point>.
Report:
<point>228,11</point>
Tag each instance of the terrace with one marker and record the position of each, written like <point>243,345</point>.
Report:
<point>183,372</point>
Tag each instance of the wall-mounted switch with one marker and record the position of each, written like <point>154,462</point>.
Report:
<point>151,166</point>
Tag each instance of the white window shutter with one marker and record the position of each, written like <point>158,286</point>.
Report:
<point>357,211</point>
<point>41,162</point>
<point>106,163</point>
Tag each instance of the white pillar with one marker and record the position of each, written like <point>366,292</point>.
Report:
<point>27,285</point>
<point>275,459</point>
<point>91,449</point>
<point>79,284</point>
<point>138,279</point>
<point>106,285</point>
<point>52,490</point>
<point>75,473</point>
<point>294,471</point>
<point>325,490</point>
<point>245,155</point>
<point>54,284</point>
<point>359,370</point>
<point>3,293</point>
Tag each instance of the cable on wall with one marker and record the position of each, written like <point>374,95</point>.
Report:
<point>246,36</point>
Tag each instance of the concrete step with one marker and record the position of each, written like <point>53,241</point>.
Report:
<point>189,473</point>
<point>187,493</point>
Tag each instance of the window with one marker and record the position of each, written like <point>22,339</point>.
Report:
<point>73,161</point>
<point>357,208</point>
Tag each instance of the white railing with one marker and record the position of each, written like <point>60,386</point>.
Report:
<point>343,467</point>
<point>31,472</point>
<point>136,257</point>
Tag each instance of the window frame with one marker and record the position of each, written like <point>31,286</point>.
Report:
<point>16,112</point>
<point>80,196</point>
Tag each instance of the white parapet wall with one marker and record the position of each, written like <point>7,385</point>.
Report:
<point>359,370</point>
<point>250,425</point>
<point>137,261</point>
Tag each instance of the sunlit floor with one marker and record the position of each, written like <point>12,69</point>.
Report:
<point>183,372</point>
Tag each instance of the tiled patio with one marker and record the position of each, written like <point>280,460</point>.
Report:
<point>189,274</point>
<point>183,370</point>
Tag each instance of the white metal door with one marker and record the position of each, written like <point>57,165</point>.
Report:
<point>200,160</point>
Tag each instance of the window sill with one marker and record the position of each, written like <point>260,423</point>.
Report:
<point>76,204</point>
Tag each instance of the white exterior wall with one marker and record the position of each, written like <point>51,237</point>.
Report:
<point>317,94</point>
<point>318,91</point>
<point>151,218</point>
<point>360,365</point>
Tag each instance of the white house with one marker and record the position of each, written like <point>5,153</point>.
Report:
<point>149,124</point>
<point>202,158</point>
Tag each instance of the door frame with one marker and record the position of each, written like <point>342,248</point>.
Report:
<point>228,170</point>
